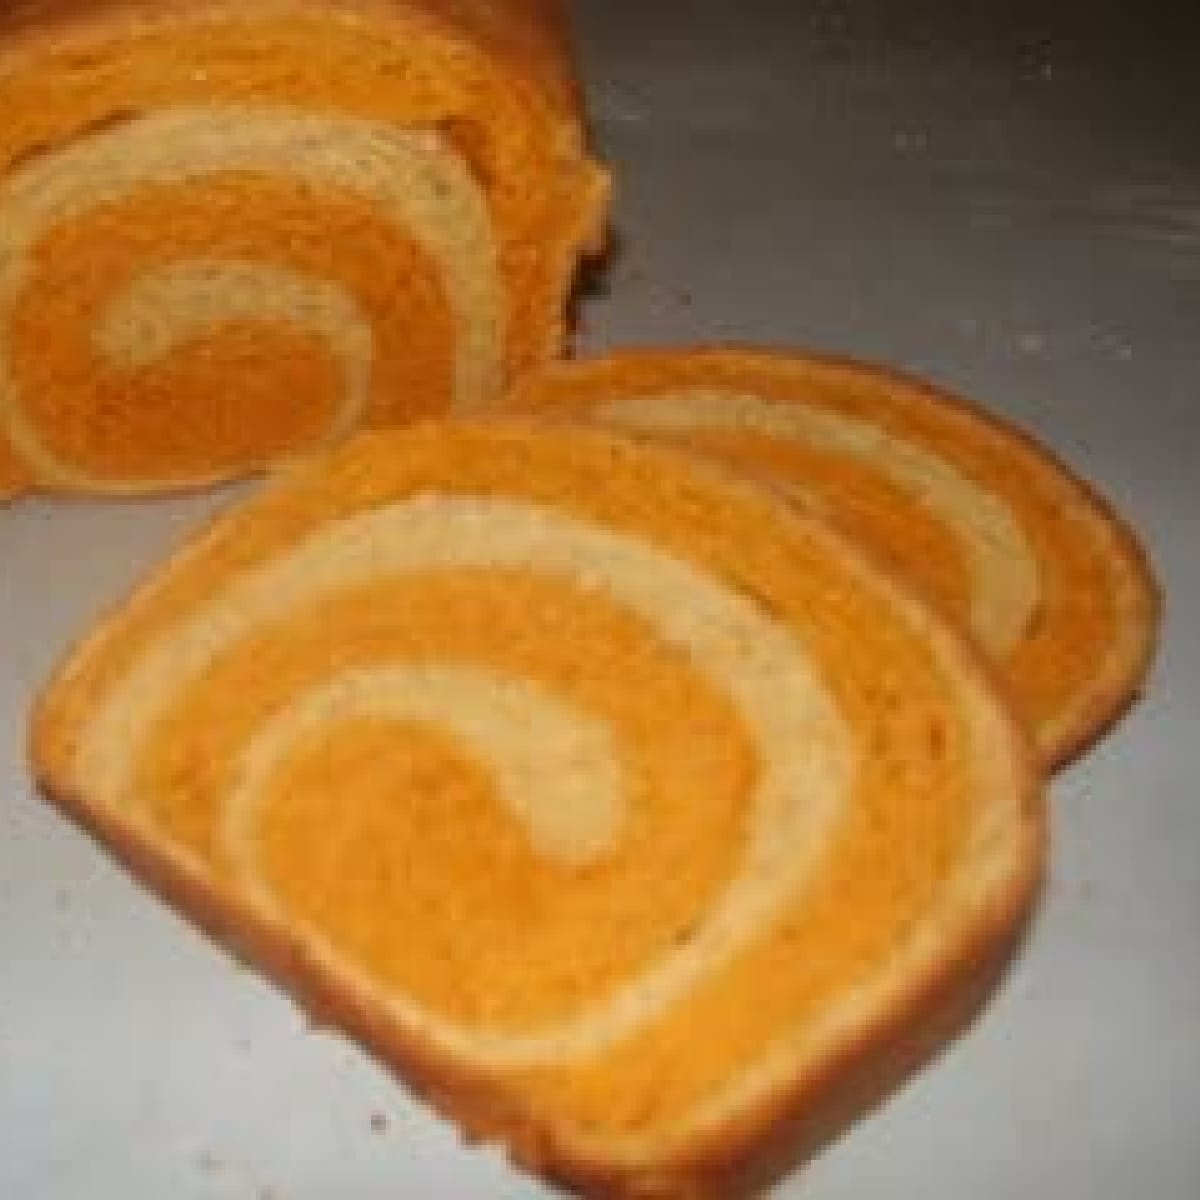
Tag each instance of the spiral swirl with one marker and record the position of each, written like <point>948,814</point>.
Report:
<point>797,735</point>
<point>198,289</point>
<point>559,751</point>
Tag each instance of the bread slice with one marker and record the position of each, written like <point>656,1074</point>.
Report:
<point>233,231</point>
<point>991,525</point>
<point>623,809</point>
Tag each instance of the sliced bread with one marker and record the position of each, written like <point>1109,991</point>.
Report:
<point>627,811</point>
<point>994,528</point>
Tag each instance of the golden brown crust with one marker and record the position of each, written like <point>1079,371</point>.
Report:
<point>14,477</point>
<point>531,35</point>
<point>793,1118</point>
<point>1102,707</point>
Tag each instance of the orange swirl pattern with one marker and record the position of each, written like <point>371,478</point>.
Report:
<point>988,524</point>
<point>555,754</point>
<point>229,236</point>
<point>198,306</point>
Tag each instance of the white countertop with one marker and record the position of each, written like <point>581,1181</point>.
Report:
<point>1012,210</point>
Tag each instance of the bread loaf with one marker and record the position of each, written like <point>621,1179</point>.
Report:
<point>621,807</point>
<point>994,528</point>
<point>233,230</point>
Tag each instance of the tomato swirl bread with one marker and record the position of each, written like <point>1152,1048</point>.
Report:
<point>1008,542</point>
<point>233,230</point>
<point>619,805</point>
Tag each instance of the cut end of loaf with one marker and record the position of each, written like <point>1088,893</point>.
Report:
<point>232,235</point>
<point>614,802</point>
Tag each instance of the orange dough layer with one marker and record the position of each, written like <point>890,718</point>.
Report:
<point>253,392</point>
<point>868,505</point>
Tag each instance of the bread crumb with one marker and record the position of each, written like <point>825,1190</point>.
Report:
<point>379,1123</point>
<point>209,1162</point>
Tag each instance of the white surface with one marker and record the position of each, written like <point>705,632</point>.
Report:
<point>1015,212</point>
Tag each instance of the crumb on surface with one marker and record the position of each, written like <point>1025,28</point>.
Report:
<point>209,1162</point>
